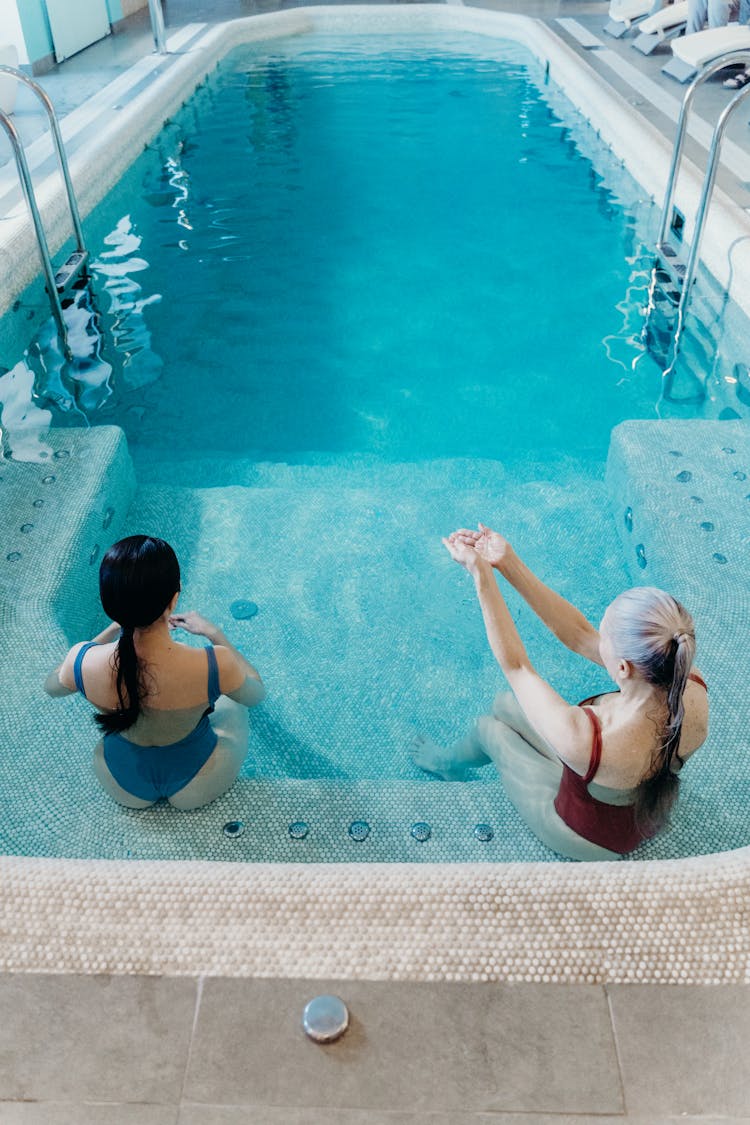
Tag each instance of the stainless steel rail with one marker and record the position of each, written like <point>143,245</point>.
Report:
<point>685,273</point>
<point>681,272</point>
<point>58,143</point>
<point>41,238</point>
<point>157,26</point>
<point>54,283</point>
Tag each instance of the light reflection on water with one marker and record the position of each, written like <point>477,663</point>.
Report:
<point>344,234</point>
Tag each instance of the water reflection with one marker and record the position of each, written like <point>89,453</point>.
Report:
<point>45,386</point>
<point>22,422</point>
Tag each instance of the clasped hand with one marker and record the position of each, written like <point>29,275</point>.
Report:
<point>473,548</point>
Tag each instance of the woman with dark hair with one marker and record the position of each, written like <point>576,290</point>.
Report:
<point>174,717</point>
<point>592,781</point>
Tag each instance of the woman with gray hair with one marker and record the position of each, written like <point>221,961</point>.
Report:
<point>594,780</point>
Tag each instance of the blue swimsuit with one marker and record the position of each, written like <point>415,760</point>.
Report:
<point>151,772</point>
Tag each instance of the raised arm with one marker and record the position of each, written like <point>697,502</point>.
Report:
<point>563,619</point>
<point>566,728</point>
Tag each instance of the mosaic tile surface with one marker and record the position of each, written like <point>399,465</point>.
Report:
<point>366,633</point>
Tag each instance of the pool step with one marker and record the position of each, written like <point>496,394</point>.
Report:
<point>60,512</point>
<point>366,630</point>
<point>700,364</point>
<point>336,471</point>
<point>681,498</point>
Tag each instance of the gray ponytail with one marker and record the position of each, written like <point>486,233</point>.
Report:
<point>655,633</point>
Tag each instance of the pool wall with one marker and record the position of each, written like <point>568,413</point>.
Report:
<point>682,921</point>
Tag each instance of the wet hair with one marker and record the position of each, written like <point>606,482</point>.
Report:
<point>655,633</point>
<point>138,578</point>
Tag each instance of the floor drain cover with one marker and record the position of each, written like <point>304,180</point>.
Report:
<point>325,1018</point>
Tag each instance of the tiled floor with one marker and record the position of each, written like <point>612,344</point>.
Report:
<point>152,1051</point>
<point>156,1051</point>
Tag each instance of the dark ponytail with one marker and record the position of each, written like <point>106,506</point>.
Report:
<point>138,578</point>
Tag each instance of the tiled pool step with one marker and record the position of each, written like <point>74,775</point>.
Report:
<point>366,633</point>
<point>680,492</point>
<point>60,513</point>
<point>332,471</point>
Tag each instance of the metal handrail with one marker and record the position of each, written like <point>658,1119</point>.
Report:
<point>28,192</point>
<point>708,183</point>
<point>686,274</point>
<point>27,187</point>
<point>157,26</point>
<point>58,143</point>
<point>735,58</point>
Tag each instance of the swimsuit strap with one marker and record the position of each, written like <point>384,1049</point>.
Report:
<point>596,746</point>
<point>214,690</point>
<point>77,670</point>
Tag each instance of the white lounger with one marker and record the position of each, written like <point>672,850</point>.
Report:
<point>624,13</point>
<point>664,24</point>
<point>693,52</point>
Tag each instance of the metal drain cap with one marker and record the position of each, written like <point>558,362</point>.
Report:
<point>234,828</point>
<point>325,1018</point>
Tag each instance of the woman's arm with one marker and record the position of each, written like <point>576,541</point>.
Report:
<point>60,680</point>
<point>564,727</point>
<point>563,619</point>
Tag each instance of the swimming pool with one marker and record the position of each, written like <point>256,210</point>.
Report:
<point>453,812</point>
<point>339,287</point>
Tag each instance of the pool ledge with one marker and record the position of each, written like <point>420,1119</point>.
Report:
<point>108,135</point>
<point>670,922</point>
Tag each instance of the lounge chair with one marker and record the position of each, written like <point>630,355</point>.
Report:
<point>624,14</point>
<point>665,24</point>
<point>691,54</point>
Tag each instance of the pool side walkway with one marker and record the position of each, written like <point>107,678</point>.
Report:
<point>133,1050</point>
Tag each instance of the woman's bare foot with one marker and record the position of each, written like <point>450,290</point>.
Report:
<point>434,759</point>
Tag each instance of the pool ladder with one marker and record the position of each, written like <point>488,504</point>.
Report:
<point>670,265</point>
<point>59,282</point>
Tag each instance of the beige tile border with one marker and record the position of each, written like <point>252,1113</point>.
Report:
<point>684,921</point>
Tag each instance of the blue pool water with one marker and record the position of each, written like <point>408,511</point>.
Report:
<point>403,252</point>
<point>349,298</point>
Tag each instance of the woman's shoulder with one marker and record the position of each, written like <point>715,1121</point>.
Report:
<point>96,656</point>
<point>231,675</point>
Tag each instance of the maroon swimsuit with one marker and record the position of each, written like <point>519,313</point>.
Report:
<point>610,826</point>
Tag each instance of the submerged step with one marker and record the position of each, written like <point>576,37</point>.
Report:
<point>60,513</point>
<point>680,492</point>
